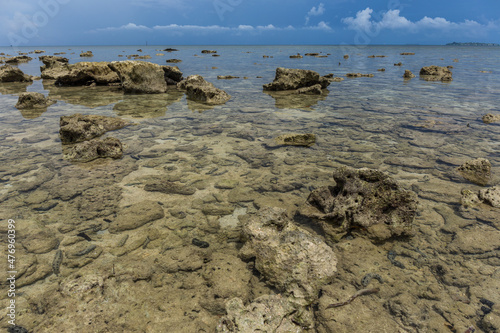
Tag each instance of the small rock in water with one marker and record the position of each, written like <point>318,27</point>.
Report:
<point>477,171</point>
<point>200,243</point>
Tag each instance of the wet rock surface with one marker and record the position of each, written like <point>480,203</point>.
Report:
<point>85,73</point>
<point>33,100</point>
<point>477,171</point>
<point>136,216</point>
<point>78,127</point>
<point>90,150</point>
<point>140,77</point>
<point>363,198</point>
<point>197,89</point>
<point>13,74</point>
<point>291,79</point>
<point>436,73</point>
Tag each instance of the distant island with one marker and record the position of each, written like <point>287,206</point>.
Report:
<point>473,44</point>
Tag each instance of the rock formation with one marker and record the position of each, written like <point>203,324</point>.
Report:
<point>436,73</point>
<point>33,100</point>
<point>197,89</point>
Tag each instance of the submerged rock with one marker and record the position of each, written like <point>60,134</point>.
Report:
<point>78,127</point>
<point>491,196</point>
<point>33,100</point>
<point>268,313</point>
<point>477,171</point>
<point>86,54</point>
<point>294,261</point>
<point>136,215</point>
<point>306,140</point>
<point>90,150</point>
<point>436,73</point>
<point>365,200</point>
<point>358,75</point>
<point>140,76</point>
<point>13,74</point>
<point>291,79</point>
<point>197,89</point>
<point>315,90</point>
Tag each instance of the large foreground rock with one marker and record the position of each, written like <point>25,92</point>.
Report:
<point>140,76</point>
<point>294,261</point>
<point>436,73</point>
<point>266,314</point>
<point>13,74</point>
<point>78,127</point>
<point>477,171</point>
<point>137,215</point>
<point>33,100</point>
<point>86,73</point>
<point>365,200</point>
<point>197,89</point>
<point>291,79</point>
<point>90,150</point>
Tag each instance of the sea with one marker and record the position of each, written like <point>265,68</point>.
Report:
<point>417,131</point>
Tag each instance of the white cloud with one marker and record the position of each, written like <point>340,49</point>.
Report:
<point>321,26</point>
<point>315,11</point>
<point>125,27</point>
<point>392,19</point>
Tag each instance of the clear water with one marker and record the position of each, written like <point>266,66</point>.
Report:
<point>418,131</point>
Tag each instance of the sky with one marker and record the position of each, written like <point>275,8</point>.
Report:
<point>233,22</point>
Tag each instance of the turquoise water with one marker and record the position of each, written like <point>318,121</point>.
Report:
<point>417,131</point>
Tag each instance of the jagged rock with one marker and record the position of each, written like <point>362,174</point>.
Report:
<point>140,76</point>
<point>491,196</point>
<point>290,258</point>
<point>85,73</point>
<point>469,198</point>
<point>477,171</point>
<point>435,73</point>
<point>32,100</point>
<point>13,74</point>
<point>268,313</point>
<point>174,60</point>
<point>86,54</point>
<point>315,90</point>
<point>291,79</point>
<point>78,127</point>
<point>90,150</point>
<point>358,75</point>
<point>306,140</point>
<point>136,215</point>
<point>408,74</point>
<point>18,59</point>
<point>53,67</point>
<point>173,75</point>
<point>491,118</point>
<point>198,89</point>
<point>362,200</point>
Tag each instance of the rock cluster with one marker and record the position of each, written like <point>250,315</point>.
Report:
<point>490,196</point>
<point>363,200</point>
<point>292,79</point>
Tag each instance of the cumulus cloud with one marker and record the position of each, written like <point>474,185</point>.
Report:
<point>315,11</point>
<point>391,19</point>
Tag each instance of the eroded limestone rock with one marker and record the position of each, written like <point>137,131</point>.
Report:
<point>197,89</point>
<point>86,73</point>
<point>477,171</point>
<point>78,127</point>
<point>33,100</point>
<point>136,215</point>
<point>290,258</point>
<point>306,140</point>
<point>13,74</point>
<point>140,76</point>
<point>436,73</point>
<point>364,199</point>
<point>291,79</point>
<point>90,150</point>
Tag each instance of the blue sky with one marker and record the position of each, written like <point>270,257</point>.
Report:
<point>205,22</point>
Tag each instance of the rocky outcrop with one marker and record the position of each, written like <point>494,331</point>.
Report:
<point>294,261</point>
<point>86,54</point>
<point>90,150</point>
<point>140,76</point>
<point>491,118</point>
<point>362,200</point>
<point>408,74</point>
<point>477,171</point>
<point>18,59</point>
<point>78,127</point>
<point>13,74</point>
<point>436,73</point>
<point>292,79</point>
<point>86,73</point>
<point>53,67</point>
<point>33,100</point>
<point>268,313</point>
<point>197,89</point>
<point>305,140</point>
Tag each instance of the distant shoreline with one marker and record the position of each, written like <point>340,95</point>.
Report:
<point>472,44</point>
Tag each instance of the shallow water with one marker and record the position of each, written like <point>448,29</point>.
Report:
<point>417,131</point>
